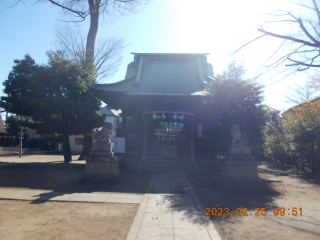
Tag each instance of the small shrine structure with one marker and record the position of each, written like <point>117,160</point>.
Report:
<point>162,99</point>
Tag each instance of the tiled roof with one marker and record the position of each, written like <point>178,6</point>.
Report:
<point>163,74</point>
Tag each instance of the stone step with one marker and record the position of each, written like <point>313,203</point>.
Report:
<point>180,163</point>
<point>171,167</point>
<point>180,169</point>
<point>159,170</point>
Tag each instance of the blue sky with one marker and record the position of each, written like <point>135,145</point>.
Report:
<point>206,26</point>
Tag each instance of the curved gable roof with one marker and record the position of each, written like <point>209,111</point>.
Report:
<point>162,74</point>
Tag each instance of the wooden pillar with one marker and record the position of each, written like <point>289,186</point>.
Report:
<point>145,137</point>
<point>192,138</point>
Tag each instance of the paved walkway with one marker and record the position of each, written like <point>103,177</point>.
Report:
<point>171,210</point>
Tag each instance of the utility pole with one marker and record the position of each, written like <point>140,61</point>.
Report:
<point>20,148</point>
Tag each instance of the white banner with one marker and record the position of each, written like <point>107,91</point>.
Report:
<point>119,144</point>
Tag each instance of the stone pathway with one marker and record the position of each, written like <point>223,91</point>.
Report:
<point>171,210</point>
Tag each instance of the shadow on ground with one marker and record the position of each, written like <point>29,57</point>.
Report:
<point>228,206</point>
<point>62,178</point>
<point>225,206</point>
<point>289,170</point>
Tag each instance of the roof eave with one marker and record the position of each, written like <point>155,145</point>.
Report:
<point>107,85</point>
<point>170,53</point>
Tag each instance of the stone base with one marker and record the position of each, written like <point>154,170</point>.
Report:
<point>101,158</point>
<point>239,150</point>
<point>240,174</point>
<point>101,170</point>
<point>102,154</point>
<point>102,146</point>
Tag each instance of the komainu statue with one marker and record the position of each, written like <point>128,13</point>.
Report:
<point>237,137</point>
<point>104,134</point>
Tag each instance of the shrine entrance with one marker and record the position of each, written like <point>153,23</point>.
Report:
<point>168,128</point>
<point>168,135</point>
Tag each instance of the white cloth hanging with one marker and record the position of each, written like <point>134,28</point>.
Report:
<point>175,116</point>
<point>164,117</point>
<point>154,116</point>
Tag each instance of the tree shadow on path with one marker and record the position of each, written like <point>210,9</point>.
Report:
<point>61,179</point>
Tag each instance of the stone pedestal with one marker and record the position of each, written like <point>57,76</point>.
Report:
<point>101,166</point>
<point>240,171</point>
<point>239,150</point>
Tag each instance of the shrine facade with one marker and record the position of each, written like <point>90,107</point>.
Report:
<point>162,99</point>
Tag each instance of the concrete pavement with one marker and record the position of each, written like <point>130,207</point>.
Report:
<point>170,210</point>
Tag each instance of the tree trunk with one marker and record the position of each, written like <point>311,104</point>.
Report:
<point>312,160</point>
<point>313,167</point>
<point>48,148</point>
<point>91,41</point>
<point>87,145</point>
<point>296,164</point>
<point>94,7</point>
<point>66,143</point>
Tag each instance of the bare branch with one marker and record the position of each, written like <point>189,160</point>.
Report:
<point>108,51</point>
<point>316,9</point>
<point>300,93</point>
<point>296,63</point>
<point>299,49</point>
<point>289,38</point>
<point>302,5</point>
<point>306,32</point>
<point>79,13</point>
<point>248,43</point>
<point>313,27</point>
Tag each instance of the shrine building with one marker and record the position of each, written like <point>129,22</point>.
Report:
<point>163,121</point>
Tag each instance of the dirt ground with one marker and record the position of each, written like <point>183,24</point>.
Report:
<point>62,220</point>
<point>296,190</point>
<point>65,220</point>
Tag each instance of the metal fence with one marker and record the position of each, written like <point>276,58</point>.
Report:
<point>15,150</point>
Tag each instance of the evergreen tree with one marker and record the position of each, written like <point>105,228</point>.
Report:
<point>235,100</point>
<point>55,96</point>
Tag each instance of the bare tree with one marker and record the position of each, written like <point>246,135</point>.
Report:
<point>108,52</point>
<point>300,93</point>
<point>314,80</point>
<point>298,49</point>
<point>80,10</point>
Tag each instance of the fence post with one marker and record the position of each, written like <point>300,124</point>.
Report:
<point>12,144</point>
